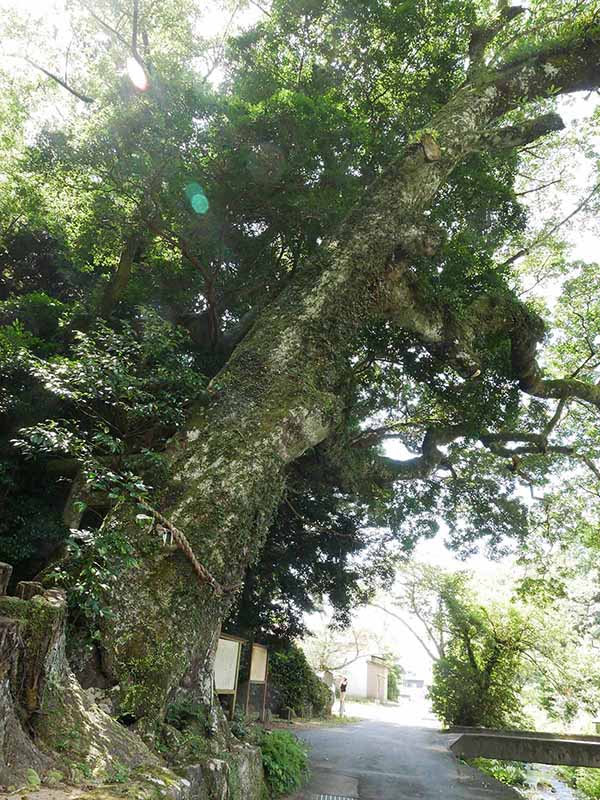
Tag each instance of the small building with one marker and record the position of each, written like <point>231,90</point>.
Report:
<point>414,687</point>
<point>367,678</point>
<point>412,682</point>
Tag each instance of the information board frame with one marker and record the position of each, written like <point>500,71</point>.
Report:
<point>231,692</point>
<point>263,683</point>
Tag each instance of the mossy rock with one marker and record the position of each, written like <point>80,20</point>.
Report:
<point>247,780</point>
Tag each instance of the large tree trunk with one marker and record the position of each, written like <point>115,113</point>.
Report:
<point>39,694</point>
<point>51,729</point>
<point>280,395</point>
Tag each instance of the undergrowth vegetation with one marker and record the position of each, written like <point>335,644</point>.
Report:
<point>300,689</point>
<point>512,773</point>
<point>285,760</point>
<point>586,781</point>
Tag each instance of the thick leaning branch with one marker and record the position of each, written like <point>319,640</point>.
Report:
<point>512,136</point>
<point>433,458</point>
<point>570,67</point>
<point>483,36</point>
<point>524,343</point>
<point>456,341</point>
<point>531,444</point>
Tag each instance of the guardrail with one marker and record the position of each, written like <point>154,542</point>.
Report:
<point>528,746</point>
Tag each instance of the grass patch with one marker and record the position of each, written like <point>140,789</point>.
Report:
<point>584,779</point>
<point>315,722</point>
<point>330,722</point>
<point>512,773</point>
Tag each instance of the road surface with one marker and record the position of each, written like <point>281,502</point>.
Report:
<point>384,759</point>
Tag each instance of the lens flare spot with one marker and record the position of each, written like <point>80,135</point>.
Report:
<point>137,74</point>
<point>200,203</point>
<point>198,200</point>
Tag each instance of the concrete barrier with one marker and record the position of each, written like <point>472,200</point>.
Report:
<point>528,746</point>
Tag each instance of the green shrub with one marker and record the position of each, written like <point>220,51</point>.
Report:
<point>393,688</point>
<point>587,781</point>
<point>30,527</point>
<point>239,724</point>
<point>184,714</point>
<point>285,760</point>
<point>33,779</point>
<point>300,689</point>
<point>119,773</point>
<point>512,773</point>
<point>394,681</point>
<point>479,679</point>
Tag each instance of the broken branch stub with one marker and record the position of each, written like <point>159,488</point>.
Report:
<point>28,589</point>
<point>431,148</point>
<point>5,573</point>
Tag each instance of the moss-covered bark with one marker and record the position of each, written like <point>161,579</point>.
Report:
<point>52,731</point>
<point>39,695</point>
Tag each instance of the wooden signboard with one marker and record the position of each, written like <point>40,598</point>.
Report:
<point>258,668</point>
<point>259,673</point>
<point>227,666</point>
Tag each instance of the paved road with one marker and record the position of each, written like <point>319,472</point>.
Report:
<point>375,760</point>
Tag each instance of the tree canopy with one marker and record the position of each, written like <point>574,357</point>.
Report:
<point>191,206</point>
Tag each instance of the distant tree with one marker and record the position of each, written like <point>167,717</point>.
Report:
<point>479,679</point>
<point>559,581</point>
<point>490,656</point>
<point>416,601</point>
<point>331,648</point>
<point>395,675</point>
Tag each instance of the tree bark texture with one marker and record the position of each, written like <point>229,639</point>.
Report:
<point>39,695</point>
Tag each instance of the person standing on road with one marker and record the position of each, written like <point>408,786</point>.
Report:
<point>343,690</point>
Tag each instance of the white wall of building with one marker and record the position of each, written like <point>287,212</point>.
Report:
<point>366,678</point>
<point>357,677</point>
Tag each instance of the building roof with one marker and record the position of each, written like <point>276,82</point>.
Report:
<point>379,660</point>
